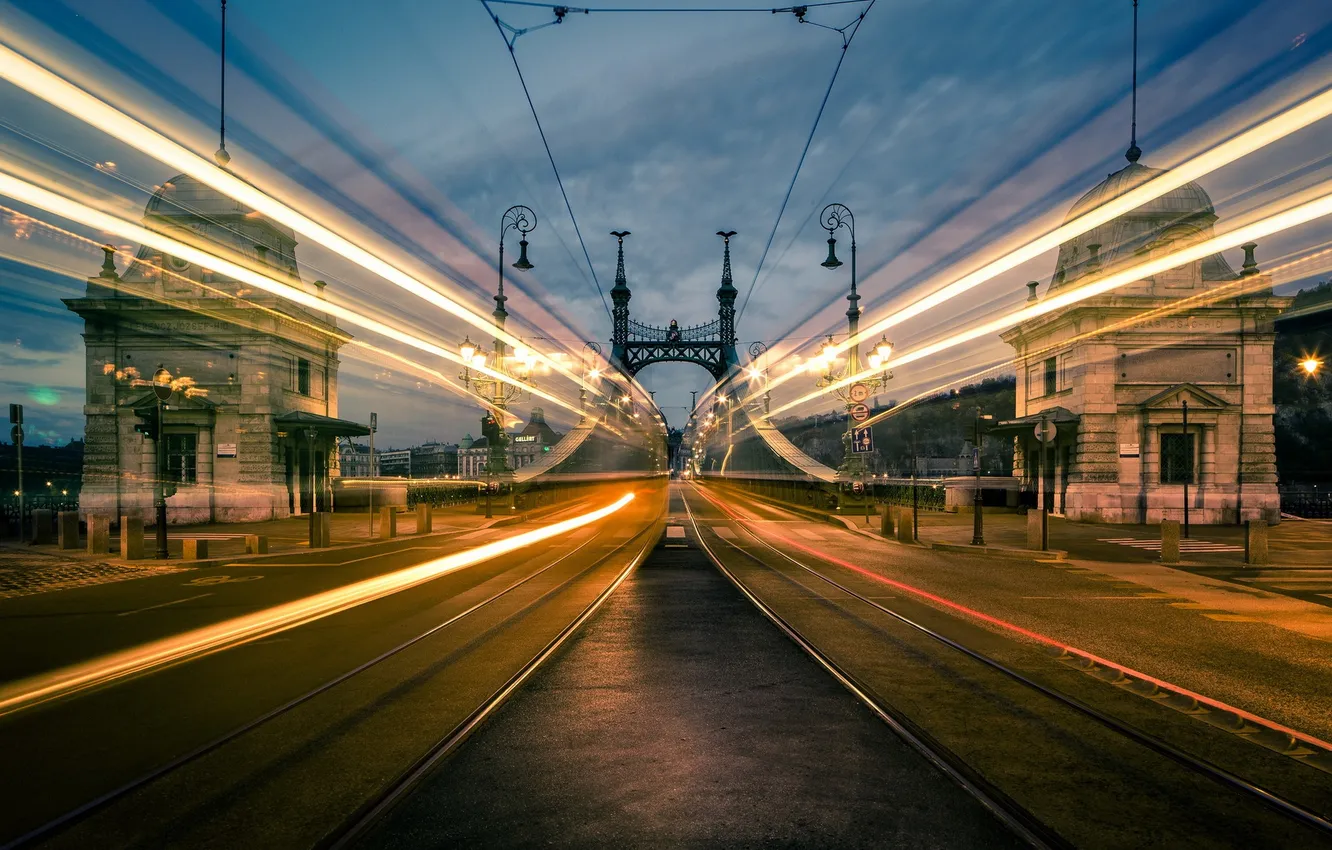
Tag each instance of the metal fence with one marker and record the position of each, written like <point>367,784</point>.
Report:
<point>1307,502</point>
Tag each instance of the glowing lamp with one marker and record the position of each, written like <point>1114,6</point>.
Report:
<point>884,349</point>
<point>467,349</point>
<point>1311,365</point>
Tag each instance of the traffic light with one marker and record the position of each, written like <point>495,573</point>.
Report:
<point>490,429</point>
<point>148,422</point>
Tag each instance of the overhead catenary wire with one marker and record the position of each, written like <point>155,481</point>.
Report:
<point>555,168</point>
<point>622,9</point>
<point>854,27</point>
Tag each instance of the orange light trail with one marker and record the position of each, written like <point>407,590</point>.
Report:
<point>66,96</point>
<point>1252,232</point>
<point>33,195</point>
<point>1296,118</point>
<point>230,633</point>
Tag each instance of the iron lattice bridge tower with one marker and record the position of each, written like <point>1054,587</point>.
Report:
<point>635,345</point>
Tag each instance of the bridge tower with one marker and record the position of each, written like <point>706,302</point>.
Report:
<point>712,345</point>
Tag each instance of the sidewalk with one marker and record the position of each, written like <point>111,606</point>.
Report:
<point>27,569</point>
<point>1291,544</point>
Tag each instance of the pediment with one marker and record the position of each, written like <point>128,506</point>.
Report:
<point>179,401</point>
<point>1174,397</point>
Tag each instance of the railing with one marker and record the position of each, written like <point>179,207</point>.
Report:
<point>439,493</point>
<point>640,332</point>
<point>1307,503</point>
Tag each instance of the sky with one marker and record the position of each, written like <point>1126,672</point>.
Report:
<point>954,129</point>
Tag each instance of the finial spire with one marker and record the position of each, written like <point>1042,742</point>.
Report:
<point>109,263</point>
<point>620,280</point>
<point>726,258</point>
<point>1134,151</point>
<point>221,155</point>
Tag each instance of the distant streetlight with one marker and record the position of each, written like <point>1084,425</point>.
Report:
<point>1311,366</point>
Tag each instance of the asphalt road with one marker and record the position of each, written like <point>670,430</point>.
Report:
<point>295,778</point>
<point>681,717</point>
<point>1092,786</point>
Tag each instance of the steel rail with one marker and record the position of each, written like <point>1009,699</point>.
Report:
<point>1022,822</point>
<point>1214,772</point>
<point>370,812</point>
<point>77,814</point>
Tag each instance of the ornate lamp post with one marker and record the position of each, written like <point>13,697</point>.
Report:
<point>835,217</point>
<point>590,373</point>
<point>501,393</point>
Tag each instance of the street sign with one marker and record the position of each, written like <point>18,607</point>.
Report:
<point>859,392</point>
<point>858,487</point>
<point>16,414</point>
<point>163,391</point>
<point>16,434</point>
<point>859,412</point>
<point>862,440</point>
<point>1045,431</point>
<point>374,422</point>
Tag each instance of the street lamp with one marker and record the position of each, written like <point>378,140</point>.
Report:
<point>502,392</point>
<point>162,390</point>
<point>834,217</point>
<point>1311,366</point>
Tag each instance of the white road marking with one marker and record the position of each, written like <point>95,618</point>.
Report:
<point>163,605</point>
<point>723,532</point>
<point>807,534</point>
<point>1184,545</point>
<point>675,532</point>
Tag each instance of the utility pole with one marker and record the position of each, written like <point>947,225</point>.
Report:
<point>374,469</point>
<point>978,523</point>
<point>1188,445</point>
<point>16,417</point>
<point>915,504</point>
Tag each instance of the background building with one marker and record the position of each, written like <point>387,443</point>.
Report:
<point>251,431</point>
<point>395,463</point>
<point>1107,379</point>
<point>434,460</point>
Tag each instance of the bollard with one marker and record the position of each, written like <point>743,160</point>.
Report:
<point>193,549</point>
<point>99,534</point>
<point>131,538</point>
<point>1169,541</point>
<point>425,519</point>
<point>886,521</point>
<point>320,527</point>
<point>1255,542</point>
<point>256,544</point>
<point>906,531</point>
<point>1038,529</point>
<point>388,523</point>
<point>67,529</point>
<point>41,527</point>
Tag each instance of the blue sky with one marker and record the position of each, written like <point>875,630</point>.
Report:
<point>954,125</point>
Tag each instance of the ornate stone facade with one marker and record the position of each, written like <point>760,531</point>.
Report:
<point>1107,379</point>
<point>263,372</point>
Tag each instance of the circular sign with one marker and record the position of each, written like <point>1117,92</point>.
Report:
<point>859,392</point>
<point>858,487</point>
<point>1045,432</point>
<point>859,412</point>
<point>163,391</point>
<point>16,434</point>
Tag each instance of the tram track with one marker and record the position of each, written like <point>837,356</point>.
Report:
<point>63,830</point>
<point>953,764</point>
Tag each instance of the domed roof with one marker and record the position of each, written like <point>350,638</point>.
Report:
<point>184,196</point>
<point>1182,201</point>
<point>1185,211</point>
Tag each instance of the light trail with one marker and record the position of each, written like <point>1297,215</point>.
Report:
<point>1251,232</point>
<point>1274,129</point>
<point>33,195</point>
<point>229,633</point>
<point>64,95</point>
<point>1005,625</point>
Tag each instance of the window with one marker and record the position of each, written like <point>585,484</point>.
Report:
<point>303,376</point>
<point>1051,376</point>
<point>181,456</point>
<point>1176,458</point>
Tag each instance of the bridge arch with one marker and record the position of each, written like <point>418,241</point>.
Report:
<point>635,345</point>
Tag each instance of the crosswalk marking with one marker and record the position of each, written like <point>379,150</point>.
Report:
<point>1203,546</point>
<point>723,532</point>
